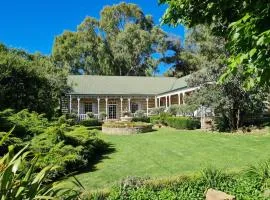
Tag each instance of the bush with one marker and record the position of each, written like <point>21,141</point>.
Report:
<point>27,124</point>
<point>19,181</point>
<point>141,119</point>
<point>90,122</point>
<point>140,114</point>
<point>69,148</point>
<point>155,119</point>
<point>186,187</point>
<point>182,122</point>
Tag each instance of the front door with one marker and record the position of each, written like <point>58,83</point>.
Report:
<point>112,111</point>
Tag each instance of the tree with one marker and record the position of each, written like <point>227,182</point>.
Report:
<point>232,104</point>
<point>122,42</point>
<point>244,24</point>
<point>29,81</point>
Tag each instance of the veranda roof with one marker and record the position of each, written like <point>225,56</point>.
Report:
<point>123,85</point>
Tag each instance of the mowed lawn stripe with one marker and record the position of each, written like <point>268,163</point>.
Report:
<point>170,152</point>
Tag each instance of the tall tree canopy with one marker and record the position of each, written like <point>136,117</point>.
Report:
<point>245,24</point>
<point>122,42</point>
<point>232,104</point>
<point>29,81</point>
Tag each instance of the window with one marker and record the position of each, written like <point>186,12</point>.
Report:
<point>134,107</point>
<point>88,107</point>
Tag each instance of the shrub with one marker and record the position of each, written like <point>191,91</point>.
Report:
<point>19,181</point>
<point>102,115</point>
<point>90,122</point>
<point>69,148</point>
<point>139,114</point>
<point>174,109</point>
<point>155,119</point>
<point>27,124</point>
<point>11,140</point>
<point>90,114</point>
<point>157,111</point>
<point>182,122</point>
<point>141,119</point>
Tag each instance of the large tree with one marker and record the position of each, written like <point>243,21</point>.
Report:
<point>122,42</point>
<point>29,81</point>
<point>245,24</point>
<point>232,104</point>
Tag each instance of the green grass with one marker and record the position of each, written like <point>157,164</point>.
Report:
<point>169,152</point>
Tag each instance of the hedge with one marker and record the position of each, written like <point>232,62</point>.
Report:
<point>183,122</point>
<point>176,122</point>
<point>90,122</point>
<point>141,119</point>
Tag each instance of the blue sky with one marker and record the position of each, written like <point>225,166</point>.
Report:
<point>33,24</point>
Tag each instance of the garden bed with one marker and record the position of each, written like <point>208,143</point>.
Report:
<point>126,128</point>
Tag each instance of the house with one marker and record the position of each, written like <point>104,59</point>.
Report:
<point>115,94</point>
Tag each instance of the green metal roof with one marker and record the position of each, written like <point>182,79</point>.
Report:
<point>123,85</point>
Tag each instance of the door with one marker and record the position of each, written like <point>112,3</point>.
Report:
<point>112,111</point>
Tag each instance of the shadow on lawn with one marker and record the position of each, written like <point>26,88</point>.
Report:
<point>100,156</point>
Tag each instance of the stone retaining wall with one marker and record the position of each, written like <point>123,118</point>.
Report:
<point>126,130</point>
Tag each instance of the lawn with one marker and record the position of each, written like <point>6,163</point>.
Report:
<point>170,152</point>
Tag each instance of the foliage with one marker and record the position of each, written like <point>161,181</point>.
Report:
<point>18,179</point>
<point>11,140</point>
<point>229,101</point>
<point>244,24</point>
<point>140,113</point>
<point>140,116</point>
<point>157,111</point>
<point>26,123</point>
<point>102,115</point>
<point>68,148</point>
<point>183,109</point>
<point>90,122</point>
<point>121,42</point>
<point>30,81</point>
<point>183,123</point>
<point>90,114</point>
<point>141,119</point>
<point>155,119</point>
<point>186,187</point>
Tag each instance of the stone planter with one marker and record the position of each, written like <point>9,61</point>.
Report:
<point>126,129</point>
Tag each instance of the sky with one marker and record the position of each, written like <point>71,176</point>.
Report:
<point>32,25</point>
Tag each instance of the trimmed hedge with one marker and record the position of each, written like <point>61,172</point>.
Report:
<point>90,122</point>
<point>141,119</point>
<point>183,122</point>
<point>176,122</point>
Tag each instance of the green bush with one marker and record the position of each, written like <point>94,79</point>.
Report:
<point>90,122</point>
<point>182,122</point>
<point>19,180</point>
<point>27,124</point>
<point>187,187</point>
<point>69,148</point>
<point>155,119</point>
<point>141,119</point>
